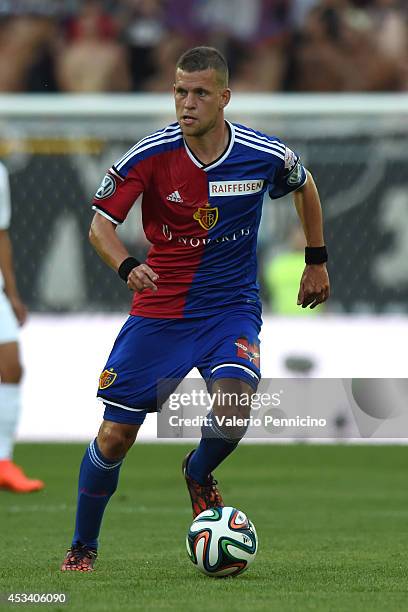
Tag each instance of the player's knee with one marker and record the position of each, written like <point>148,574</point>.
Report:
<point>229,421</point>
<point>232,409</point>
<point>231,393</point>
<point>11,373</point>
<point>115,439</point>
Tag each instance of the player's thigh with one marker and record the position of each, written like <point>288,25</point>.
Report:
<point>146,352</point>
<point>231,350</point>
<point>10,367</point>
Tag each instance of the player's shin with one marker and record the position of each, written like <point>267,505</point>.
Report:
<point>98,479</point>
<point>9,412</point>
<point>219,438</point>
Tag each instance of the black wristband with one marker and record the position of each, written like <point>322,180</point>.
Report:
<point>127,266</point>
<point>316,255</point>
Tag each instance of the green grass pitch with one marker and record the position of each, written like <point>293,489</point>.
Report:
<point>332,524</point>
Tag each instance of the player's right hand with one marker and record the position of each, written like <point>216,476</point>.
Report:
<point>142,277</point>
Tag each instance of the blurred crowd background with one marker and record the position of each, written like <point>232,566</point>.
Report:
<point>271,45</point>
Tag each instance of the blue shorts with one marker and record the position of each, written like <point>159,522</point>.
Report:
<point>148,350</point>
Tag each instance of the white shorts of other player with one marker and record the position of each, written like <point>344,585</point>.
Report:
<point>8,322</point>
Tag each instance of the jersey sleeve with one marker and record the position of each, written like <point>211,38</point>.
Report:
<point>117,192</point>
<point>5,206</point>
<point>289,176</point>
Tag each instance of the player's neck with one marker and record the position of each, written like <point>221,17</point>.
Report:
<point>210,146</point>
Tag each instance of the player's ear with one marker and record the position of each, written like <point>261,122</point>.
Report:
<point>225,97</point>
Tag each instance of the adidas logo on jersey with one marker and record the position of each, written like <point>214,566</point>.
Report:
<point>175,197</point>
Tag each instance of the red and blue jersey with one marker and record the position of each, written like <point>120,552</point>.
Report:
<point>202,220</point>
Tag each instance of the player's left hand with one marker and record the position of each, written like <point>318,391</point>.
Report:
<point>19,308</point>
<point>314,286</point>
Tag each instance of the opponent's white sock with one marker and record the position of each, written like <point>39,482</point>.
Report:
<point>9,413</point>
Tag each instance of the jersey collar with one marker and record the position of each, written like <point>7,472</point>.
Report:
<point>219,159</point>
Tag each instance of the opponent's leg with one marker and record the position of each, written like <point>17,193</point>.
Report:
<point>98,479</point>
<point>218,441</point>
<point>12,476</point>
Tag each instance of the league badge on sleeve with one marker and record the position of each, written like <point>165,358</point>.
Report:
<point>107,378</point>
<point>106,188</point>
<point>295,172</point>
<point>291,159</point>
<point>296,175</point>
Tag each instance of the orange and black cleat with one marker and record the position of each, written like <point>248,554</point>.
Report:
<point>202,496</point>
<point>79,558</point>
<point>13,479</point>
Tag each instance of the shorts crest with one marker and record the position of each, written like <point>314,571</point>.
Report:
<point>107,378</point>
<point>245,350</point>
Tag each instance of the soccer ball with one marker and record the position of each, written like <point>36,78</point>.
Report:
<point>222,542</point>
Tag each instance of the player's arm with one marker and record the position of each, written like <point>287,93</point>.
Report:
<point>314,285</point>
<point>7,270</point>
<point>110,248</point>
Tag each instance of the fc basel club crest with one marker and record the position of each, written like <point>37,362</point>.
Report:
<point>106,188</point>
<point>107,378</point>
<point>207,216</point>
<point>247,350</point>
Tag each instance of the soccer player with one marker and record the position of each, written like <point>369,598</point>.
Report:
<point>196,300</point>
<point>12,314</point>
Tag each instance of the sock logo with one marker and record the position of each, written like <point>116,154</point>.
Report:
<point>107,378</point>
<point>246,350</point>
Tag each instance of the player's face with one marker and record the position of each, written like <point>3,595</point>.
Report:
<point>200,100</point>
